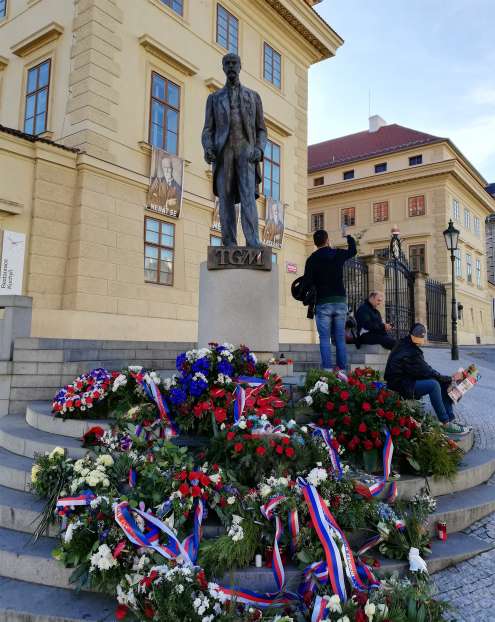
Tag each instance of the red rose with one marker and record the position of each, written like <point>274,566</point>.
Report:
<point>217,393</point>
<point>344,408</point>
<point>184,490</point>
<point>201,579</point>
<point>249,424</point>
<point>407,433</point>
<point>195,491</point>
<point>362,427</point>
<point>331,422</point>
<point>367,444</point>
<point>378,443</point>
<point>395,431</point>
<point>204,479</point>
<point>277,421</point>
<point>356,440</point>
<point>279,449</point>
<point>402,421</point>
<point>261,451</point>
<point>380,412</point>
<point>118,549</point>
<point>361,387</point>
<point>149,612</point>
<point>290,452</point>
<point>335,443</point>
<point>346,420</point>
<point>360,616</point>
<point>96,395</point>
<point>182,475</point>
<point>344,395</point>
<point>374,434</point>
<point>198,411</point>
<point>285,441</point>
<point>238,447</point>
<point>366,406</point>
<point>272,443</point>
<point>278,403</point>
<point>320,421</point>
<point>121,612</point>
<point>220,415</point>
<point>330,406</point>
<point>389,415</point>
<point>361,598</point>
<point>230,436</point>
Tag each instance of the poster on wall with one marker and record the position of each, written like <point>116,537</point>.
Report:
<point>215,220</point>
<point>273,234</point>
<point>12,263</point>
<point>166,183</point>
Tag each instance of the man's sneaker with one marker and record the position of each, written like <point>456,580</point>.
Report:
<point>456,428</point>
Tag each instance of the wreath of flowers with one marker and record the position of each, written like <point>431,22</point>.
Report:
<point>80,398</point>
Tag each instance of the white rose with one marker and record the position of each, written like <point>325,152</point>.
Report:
<point>106,460</point>
<point>242,424</point>
<point>369,610</point>
<point>334,604</point>
<point>58,451</point>
<point>35,470</point>
<point>231,500</point>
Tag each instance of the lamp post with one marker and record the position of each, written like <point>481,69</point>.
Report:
<point>451,236</point>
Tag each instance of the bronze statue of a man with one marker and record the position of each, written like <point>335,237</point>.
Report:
<point>234,139</point>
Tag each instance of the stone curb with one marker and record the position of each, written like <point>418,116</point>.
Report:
<point>39,416</point>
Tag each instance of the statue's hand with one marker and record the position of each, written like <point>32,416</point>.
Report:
<point>210,156</point>
<point>256,156</point>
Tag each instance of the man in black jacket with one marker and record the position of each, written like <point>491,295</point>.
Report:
<point>370,327</point>
<point>325,270</point>
<point>409,374</point>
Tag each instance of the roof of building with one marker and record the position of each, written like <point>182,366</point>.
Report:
<point>35,139</point>
<point>364,145</point>
<point>491,189</point>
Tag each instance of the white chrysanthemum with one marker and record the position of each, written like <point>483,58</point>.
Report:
<point>69,532</point>
<point>103,558</point>
<point>265,490</point>
<point>55,453</point>
<point>334,604</point>
<point>105,460</point>
<point>370,610</point>
<point>35,470</point>
<point>120,381</point>
<point>316,476</point>
<point>135,368</point>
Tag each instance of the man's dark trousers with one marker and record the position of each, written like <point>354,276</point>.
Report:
<point>380,339</point>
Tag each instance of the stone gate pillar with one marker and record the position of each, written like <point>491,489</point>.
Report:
<point>376,273</point>
<point>420,312</point>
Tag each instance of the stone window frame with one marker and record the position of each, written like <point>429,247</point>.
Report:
<point>469,268</point>
<point>160,247</point>
<point>346,175</point>
<point>170,4</point>
<point>273,165</point>
<point>417,251</point>
<point>219,8</point>
<point>275,53</point>
<point>456,210</point>
<point>381,167</point>
<point>348,217</point>
<point>478,272</point>
<point>318,181</point>
<point>36,93</point>
<point>467,218</point>
<point>166,106</point>
<point>317,221</point>
<point>377,206</point>
<point>416,160</point>
<point>4,6</point>
<point>413,209</point>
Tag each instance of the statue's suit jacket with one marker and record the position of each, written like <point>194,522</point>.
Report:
<point>217,126</point>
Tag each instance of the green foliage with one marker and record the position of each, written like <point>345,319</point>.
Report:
<point>434,453</point>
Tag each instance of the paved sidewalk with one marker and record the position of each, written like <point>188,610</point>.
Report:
<point>470,586</point>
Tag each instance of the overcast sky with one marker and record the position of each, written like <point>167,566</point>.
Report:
<point>430,65</point>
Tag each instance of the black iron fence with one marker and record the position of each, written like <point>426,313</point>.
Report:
<point>356,282</point>
<point>399,295</point>
<point>436,310</point>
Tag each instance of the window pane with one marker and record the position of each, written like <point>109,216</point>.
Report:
<point>40,125</point>
<point>171,146</point>
<point>44,74</point>
<point>29,126</point>
<point>166,255</point>
<point>152,237</point>
<point>3,8</point>
<point>150,275</point>
<point>167,240</point>
<point>158,87</point>
<point>276,153</point>
<point>151,252</point>
<point>267,187</point>
<point>168,229</point>
<point>172,121</point>
<point>166,278</point>
<point>42,101</point>
<point>152,225</point>
<point>31,82</point>
<point>268,150</point>
<point>157,110</point>
<point>275,191</point>
<point>173,94</point>
<point>30,106</point>
<point>215,240</point>
<point>268,169</point>
<point>156,138</point>
<point>276,174</point>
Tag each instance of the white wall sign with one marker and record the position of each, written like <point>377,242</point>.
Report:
<point>12,263</point>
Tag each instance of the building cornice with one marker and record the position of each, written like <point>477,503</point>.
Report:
<point>313,28</point>
<point>167,55</point>
<point>47,34</point>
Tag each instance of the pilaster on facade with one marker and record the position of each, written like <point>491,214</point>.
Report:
<point>95,72</point>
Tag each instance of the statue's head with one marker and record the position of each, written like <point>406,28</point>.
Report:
<point>231,64</point>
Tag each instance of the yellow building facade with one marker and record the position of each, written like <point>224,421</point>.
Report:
<point>87,77</point>
<point>392,176</point>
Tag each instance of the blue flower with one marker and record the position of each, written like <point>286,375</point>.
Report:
<point>201,365</point>
<point>225,368</point>
<point>178,396</point>
<point>180,361</point>
<point>198,387</point>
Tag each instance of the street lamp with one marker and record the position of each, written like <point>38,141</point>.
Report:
<point>451,236</point>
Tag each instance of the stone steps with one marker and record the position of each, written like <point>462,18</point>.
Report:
<point>461,509</point>
<point>39,415</point>
<point>15,471</point>
<point>27,602</point>
<point>20,438</point>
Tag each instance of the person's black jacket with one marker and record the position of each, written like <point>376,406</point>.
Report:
<point>325,269</point>
<point>370,319</point>
<point>405,365</point>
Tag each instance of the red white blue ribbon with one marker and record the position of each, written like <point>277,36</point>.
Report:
<point>327,436</point>
<point>293,530</point>
<point>132,477</point>
<point>388,452</point>
<point>239,402</point>
<point>320,609</point>
<point>191,543</point>
<point>241,394</point>
<point>64,504</point>
<point>149,387</point>
<point>268,511</point>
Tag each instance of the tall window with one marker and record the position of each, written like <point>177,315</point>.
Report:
<point>272,66</point>
<point>381,168</point>
<point>467,219</point>
<point>317,221</point>
<point>455,210</point>
<point>380,211</point>
<point>416,205</point>
<point>165,107</point>
<point>469,268</point>
<point>348,174</point>
<point>318,181</point>
<point>271,171</point>
<point>227,30</point>
<point>36,109</point>
<point>176,5</point>
<point>478,273</point>
<point>159,238</point>
<point>417,257</point>
<point>348,217</point>
<point>3,8</point>
<point>476,225</point>
<point>458,263</point>
<point>415,160</point>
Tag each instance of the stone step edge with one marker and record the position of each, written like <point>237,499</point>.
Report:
<point>39,416</point>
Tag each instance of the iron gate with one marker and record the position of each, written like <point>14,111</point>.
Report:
<point>399,293</point>
<point>356,283</point>
<point>436,310</point>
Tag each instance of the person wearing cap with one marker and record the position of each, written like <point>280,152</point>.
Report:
<point>409,374</point>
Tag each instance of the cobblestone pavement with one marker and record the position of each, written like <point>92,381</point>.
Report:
<point>470,586</point>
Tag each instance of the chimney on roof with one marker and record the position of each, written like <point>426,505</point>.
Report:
<point>376,122</point>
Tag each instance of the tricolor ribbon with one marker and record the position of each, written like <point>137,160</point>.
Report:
<point>293,530</point>
<point>327,436</point>
<point>255,384</point>
<point>132,477</point>
<point>152,391</point>
<point>191,543</point>
<point>320,609</point>
<point>268,511</point>
<point>64,504</point>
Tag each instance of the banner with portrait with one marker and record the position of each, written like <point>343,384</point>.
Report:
<point>166,183</point>
<point>215,220</point>
<point>273,234</point>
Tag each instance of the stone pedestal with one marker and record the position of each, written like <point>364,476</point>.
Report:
<point>15,321</point>
<point>239,307</point>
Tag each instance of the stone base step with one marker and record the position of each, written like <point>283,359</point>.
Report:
<point>27,602</point>
<point>15,471</point>
<point>39,415</point>
<point>462,509</point>
<point>20,438</point>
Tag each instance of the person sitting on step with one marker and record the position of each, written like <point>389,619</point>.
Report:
<point>371,329</point>
<point>409,374</point>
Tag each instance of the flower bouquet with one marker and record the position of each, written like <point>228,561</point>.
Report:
<point>85,397</point>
